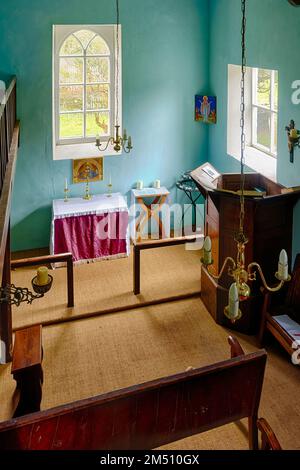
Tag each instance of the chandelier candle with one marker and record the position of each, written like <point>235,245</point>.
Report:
<point>207,258</point>
<point>233,301</point>
<point>283,268</point>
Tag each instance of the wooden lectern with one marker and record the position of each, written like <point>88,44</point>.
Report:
<point>268,226</point>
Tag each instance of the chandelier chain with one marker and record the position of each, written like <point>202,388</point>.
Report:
<point>242,123</point>
<point>117,62</point>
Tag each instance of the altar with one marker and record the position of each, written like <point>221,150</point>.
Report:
<point>91,230</point>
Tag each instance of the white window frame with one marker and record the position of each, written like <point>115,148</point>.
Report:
<point>255,159</point>
<point>272,111</point>
<point>85,147</point>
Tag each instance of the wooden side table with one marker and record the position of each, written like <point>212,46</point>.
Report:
<point>150,210</point>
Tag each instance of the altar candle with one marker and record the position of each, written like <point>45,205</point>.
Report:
<point>66,183</point>
<point>139,184</point>
<point>42,276</point>
<point>157,184</point>
<point>233,301</point>
<point>207,258</point>
<point>283,268</point>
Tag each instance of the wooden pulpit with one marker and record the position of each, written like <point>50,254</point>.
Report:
<point>268,226</point>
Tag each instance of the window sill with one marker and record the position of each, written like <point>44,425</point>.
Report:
<point>75,151</point>
<point>260,162</point>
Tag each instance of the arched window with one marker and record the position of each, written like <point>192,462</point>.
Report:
<point>84,87</point>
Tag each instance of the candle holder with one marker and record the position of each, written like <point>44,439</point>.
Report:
<point>87,195</point>
<point>109,194</point>
<point>41,290</point>
<point>66,191</point>
<point>16,295</point>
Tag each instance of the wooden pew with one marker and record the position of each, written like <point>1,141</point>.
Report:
<point>152,414</point>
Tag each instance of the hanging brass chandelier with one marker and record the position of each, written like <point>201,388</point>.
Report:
<point>119,142</point>
<point>236,268</point>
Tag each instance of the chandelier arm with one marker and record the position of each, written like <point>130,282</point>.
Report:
<point>110,141</point>
<point>226,262</point>
<point>258,268</point>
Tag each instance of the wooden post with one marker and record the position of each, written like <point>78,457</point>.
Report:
<point>70,279</point>
<point>253,432</point>
<point>5,309</point>
<point>136,270</point>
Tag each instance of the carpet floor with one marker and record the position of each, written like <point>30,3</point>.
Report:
<point>97,355</point>
<point>106,285</point>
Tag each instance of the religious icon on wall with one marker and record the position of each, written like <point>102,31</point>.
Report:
<point>206,109</point>
<point>87,169</point>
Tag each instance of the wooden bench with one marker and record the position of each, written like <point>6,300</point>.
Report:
<point>152,414</point>
<point>139,246</point>
<point>27,369</point>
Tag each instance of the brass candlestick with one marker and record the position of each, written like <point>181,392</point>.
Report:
<point>66,191</point>
<point>87,195</point>
<point>109,190</point>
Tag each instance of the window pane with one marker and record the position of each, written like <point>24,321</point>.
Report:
<point>85,36</point>
<point>71,98</point>
<point>275,91</point>
<point>71,125</point>
<point>97,123</point>
<point>71,46</point>
<point>71,70</point>
<point>97,96</point>
<point>98,46</point>
<point>275,124</point>
<point>264,128</point>
<point>264,88</point>
<point>97,70</point>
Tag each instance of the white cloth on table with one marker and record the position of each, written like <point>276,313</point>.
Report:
<point>99,204</point>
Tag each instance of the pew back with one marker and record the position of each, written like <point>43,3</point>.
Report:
<point>149,415</point>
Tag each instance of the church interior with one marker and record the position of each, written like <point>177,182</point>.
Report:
<point>150,291</point>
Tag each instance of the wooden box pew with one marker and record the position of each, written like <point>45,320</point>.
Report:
<point>286,302</point>
<point>152,414</point>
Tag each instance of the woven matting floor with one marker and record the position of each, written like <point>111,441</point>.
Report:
<point>107,285</point>
<point>113,351</point>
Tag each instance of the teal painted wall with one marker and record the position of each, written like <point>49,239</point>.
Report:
<point>165,63</point>
<point>273,37</point>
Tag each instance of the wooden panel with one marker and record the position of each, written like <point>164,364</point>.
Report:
<point>212,228</point>
<point>27,348</point>
<point>148,415</point>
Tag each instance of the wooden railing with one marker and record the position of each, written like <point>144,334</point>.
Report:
<point>9,141</point>
<point>7,125</point>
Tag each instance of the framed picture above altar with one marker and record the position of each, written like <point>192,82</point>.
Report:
<point>90,169</point>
